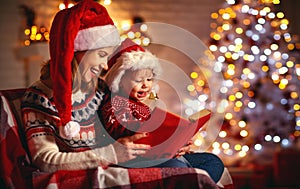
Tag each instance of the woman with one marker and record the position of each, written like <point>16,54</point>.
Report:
<point>59,109</point>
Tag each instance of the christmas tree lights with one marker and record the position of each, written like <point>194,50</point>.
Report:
<point>259,60</point>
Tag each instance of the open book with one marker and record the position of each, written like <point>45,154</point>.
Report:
<point>169,132</point>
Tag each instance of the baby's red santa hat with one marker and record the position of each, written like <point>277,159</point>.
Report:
<point>85,26</point>
<point>129,56</point>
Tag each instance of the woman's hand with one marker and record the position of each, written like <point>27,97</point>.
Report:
<point>127,150</point>
<point>185,149</point>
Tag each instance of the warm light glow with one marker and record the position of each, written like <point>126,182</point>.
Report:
<point>27,31</point>
<point>280,15</point>
<point>26,42</point>
<point>194,75</point>
<point>246,71</point>
<point>244,133</point>
<point>228,116</point>
<point>222,134</point>
<point>242,154</point>
<point>146,41</point>
<point>226,16</point>
<point>137,34</point>
<point>143,27</point>
<point>251,105</point>
<point>61,6</point>
<point>246,84</point>
<point>246,22</point>
<point>231,98</point>
<point>242,124</point>
<point>291,47</point>
<point>258,147</point>
<point>131,35</point>
<point>214,15</point>
<point>107,2</point>
<point>239,30</point>
<point>191,88</point>
<point>213,48</point>
<point>238,104</point>
<point>38,37</point>
<point>225,145</point>
<point>226,27</point>
<point>230,72</point>
<point>216,36</point>
<point>237,147</point>
<point>198,142</point>
<point>216,145</point>
<point>251,66</point>
<point>274,47</point>
<point>245,148</point>
<point>239,95</point>
<point>216,151</point>
<point>126,25</point>
<point>200,83</point>
<point>268,138</point>
<point>265,68</point>
<point>137,41</point>
<point>276,139</point>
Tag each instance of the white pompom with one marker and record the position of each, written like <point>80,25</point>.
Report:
<point>70,130</point>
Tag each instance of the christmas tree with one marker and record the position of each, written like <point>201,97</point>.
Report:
<point>259,60</point>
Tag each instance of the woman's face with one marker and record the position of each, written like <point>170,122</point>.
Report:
<point>92,62</point>
<point>137,84</point>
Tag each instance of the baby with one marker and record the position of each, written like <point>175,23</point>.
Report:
<point>131,79</point>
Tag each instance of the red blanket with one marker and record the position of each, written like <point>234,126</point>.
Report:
<point>16,171</point>
<point>126,178</point>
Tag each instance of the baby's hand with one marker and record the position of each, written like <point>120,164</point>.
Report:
<point>184,150</point>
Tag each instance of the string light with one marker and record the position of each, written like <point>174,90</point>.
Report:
<point>36,34</point>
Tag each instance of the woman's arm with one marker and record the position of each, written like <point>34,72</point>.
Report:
<point>46,156</point>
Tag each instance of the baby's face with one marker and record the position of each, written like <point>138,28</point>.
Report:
<point>137,84</point>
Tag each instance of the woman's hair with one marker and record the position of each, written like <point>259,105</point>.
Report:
<point>78,83</point>
<point>45,71</point>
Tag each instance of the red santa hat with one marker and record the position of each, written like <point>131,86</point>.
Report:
<point>129,56</point>
<point>85,26</point>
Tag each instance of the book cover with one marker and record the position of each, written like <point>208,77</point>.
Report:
<point>168,132</point>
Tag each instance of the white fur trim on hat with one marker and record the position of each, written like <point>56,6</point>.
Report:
<point>96,37</point>
<point>70,130</point>
<point>134,60</point>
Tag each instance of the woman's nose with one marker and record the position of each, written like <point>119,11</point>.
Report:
<point>103,66</point>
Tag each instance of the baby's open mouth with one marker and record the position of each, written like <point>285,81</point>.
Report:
<point>142,93</point>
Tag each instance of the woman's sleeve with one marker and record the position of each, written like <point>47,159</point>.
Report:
<point>47,157</point>
<point>45,153</point>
